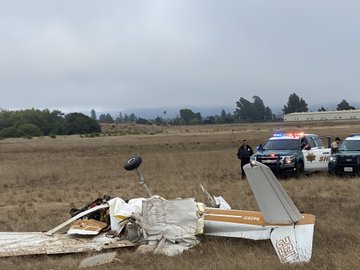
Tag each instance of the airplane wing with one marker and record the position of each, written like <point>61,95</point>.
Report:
<point>273,201</point>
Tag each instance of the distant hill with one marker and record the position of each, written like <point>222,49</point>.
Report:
<point>164,112</point>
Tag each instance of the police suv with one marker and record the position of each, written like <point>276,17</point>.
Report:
<point>294,153</point>
<point>346,160</point>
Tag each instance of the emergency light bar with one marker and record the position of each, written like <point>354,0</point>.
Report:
<point>294,135</point>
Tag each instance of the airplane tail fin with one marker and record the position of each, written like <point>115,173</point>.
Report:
<point>292,237</point>
<point>293,244</point>
<point>273,201</point>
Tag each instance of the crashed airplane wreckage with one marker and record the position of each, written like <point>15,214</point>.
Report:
<point>171,226</point>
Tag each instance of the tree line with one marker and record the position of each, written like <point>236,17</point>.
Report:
<point>246,111</point>
<point>33,123</point>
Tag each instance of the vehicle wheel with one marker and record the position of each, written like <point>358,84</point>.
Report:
<point>132,163</point>
<point>299,169</point>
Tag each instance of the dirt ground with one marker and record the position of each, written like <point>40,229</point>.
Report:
<point>42,178</point>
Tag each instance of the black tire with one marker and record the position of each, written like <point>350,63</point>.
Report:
<point>132,163</point>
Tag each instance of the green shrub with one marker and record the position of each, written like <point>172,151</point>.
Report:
<point>9,132</point>
<point>29,130</point>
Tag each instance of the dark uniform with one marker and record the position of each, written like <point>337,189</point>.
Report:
<point>244,153</point>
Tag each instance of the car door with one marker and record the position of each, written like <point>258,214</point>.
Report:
<point>316,157</point>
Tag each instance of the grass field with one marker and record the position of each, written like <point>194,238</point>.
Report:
<point>42,178</point>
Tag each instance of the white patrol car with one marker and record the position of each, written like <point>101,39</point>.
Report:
<point>294,153</point>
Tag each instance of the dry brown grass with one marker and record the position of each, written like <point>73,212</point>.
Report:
<point>41,179</point>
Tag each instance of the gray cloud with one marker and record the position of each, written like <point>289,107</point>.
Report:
<point>125,54</point>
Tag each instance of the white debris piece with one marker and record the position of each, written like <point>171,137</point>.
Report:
<point>86,227</point>
<point>121,210</point>
<point>221,203</point>
<point>98,260</point>
<point>31,243</point>
<point>80,215</point>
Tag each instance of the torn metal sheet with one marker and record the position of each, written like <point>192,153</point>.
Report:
<point>171,224</point>
<point>32,243</point>
<point>174,220</point>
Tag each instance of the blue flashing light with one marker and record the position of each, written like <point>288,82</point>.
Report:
<point>278,134</point>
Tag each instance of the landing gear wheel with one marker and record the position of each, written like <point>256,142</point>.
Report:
<point>132,163</point>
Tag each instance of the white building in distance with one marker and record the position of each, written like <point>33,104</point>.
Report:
<point>326,115</point>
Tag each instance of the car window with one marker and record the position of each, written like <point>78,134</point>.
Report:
<point>318,142</point>
<point>283,144</point>
<point>350,145</point>
<point>312,141</point>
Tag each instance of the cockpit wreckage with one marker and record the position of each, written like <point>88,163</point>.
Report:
<point>172,226</point>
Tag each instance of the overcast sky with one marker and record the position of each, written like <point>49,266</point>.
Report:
<point>117,55</point>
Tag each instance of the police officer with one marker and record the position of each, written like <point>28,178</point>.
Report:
<point>335,145</point>
<point>244,153</point>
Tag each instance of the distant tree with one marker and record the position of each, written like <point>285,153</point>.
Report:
<point>258,109</point>
<point>142,121</point>
<point>106,118</point>
<point>223,116</point>
<point>244,110</point>
<point>268,114</point>
<point>46,121</point>
<point>322,109</point>
<point>210,120</point>
<point>55,122</point>
<point>93,114</point>
<point>33,116</point>
<point>295,104</point>
<point>255,111</point>
<point>188,117</point>
<point>119,119</point>
<point>9,132</point>
<point>175,121</point>
<point>102,118</point>
<point>34,122</point>
<point>6,119</point>
<point>29,130</point>
<point>344,105</point>
<point>132,118</point>
<point>197,119</point>
<point>78,123</point>
<point>158,121</point>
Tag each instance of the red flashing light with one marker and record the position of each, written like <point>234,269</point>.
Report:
<point>295,135</point>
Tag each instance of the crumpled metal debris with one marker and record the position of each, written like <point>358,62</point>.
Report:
<point>174,223</point>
